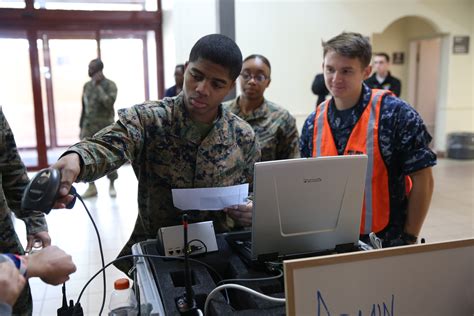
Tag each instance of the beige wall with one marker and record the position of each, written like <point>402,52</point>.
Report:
<point>289,33</point>
<point>184,22</point>
<point>396,38</point>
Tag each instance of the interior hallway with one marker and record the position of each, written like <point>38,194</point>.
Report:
<point>451,216</point>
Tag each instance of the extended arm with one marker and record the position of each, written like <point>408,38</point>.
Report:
<point>50,264</point>
<point>97,156</point>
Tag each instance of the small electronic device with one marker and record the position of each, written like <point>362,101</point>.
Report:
<point>201,236</point>
<point>42,191</point>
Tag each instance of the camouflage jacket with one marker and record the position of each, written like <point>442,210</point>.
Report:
<point>97,106</point>
<point>13,180</point>
<point>275,128</point>
<point>165,149</point>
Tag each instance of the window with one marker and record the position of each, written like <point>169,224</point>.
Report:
<point>101,5</point>
<point>13,4</point>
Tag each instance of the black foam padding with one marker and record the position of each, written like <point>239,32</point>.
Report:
<point>169,279</point>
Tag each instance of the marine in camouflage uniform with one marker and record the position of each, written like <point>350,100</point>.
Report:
<point>98,98</point>
<point>275,128</point>
<point>14,180</point>
<point>97,106</point>
<point>166,151</point>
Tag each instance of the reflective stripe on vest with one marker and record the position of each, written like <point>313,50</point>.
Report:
<point>363,140</point>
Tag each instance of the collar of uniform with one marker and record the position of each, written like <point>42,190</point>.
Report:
<point>363,99</point>
<point>184,128</point>
<point>220,133</point>
<point>367,93</point>
<point>261,111</point>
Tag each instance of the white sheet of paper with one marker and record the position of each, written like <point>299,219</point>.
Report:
<point>210,199</point>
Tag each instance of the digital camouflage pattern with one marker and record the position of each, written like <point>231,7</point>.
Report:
<point>98,109</point>
<point>13,180</point>
<point>97,106</point>
<point>275,128</point>
<point>165,149</point>
<point>404,144</point>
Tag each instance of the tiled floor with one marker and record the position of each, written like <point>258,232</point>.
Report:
<point>451,216</point>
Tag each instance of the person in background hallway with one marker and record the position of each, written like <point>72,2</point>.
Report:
<point>319,88</point>
<point>51,264</point>
<point>98,100</point>
<point>189,141</point>
<point>381,78</point>
<point>274,126</point>
<point>178,79</point>
<point>14,180</point>
<point>360,120</point>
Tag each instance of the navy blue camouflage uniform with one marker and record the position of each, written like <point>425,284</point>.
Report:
<point>404,144</point>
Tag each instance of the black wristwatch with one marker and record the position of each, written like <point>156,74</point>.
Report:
<point>409,238</point>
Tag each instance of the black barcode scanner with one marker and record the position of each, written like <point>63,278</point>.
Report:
<point>43,190</point>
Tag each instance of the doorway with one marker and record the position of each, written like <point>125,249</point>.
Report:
<point>424,73</point>
<point>419,42</point>
<point>63,58</point>
<point>44,55</point>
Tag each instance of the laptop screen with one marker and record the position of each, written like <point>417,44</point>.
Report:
<point>307,205</point>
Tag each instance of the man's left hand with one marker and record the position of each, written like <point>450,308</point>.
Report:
<point>97,77</point>
<point>42,237</point>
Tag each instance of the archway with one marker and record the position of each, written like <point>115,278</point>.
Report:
<point>418,41</point>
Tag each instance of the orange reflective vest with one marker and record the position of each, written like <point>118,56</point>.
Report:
<point>364,139</point>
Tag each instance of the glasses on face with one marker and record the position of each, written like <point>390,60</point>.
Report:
<point>258,78</point>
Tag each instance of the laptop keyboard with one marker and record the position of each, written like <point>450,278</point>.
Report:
<point>245,245</point>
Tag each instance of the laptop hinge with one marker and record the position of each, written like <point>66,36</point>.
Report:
<point>349,247</point>
<point>273,256</point>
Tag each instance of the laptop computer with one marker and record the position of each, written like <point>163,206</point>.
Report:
<point>304,207</point>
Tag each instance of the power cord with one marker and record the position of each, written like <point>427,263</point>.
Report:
<point>242,288</point>
<point>193,248</point>
<point>280,274</point>
<point>77,306</point>
<point>101,257</point>
<point>141,256</point>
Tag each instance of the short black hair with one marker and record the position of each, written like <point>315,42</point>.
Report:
<point>180,66</point>
<point>350,45</point>
<point>383,55</point>
<point>220,50</point>
<point>98,63</point>
<point>261,57</point>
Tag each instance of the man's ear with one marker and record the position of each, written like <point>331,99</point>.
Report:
<point>367,71</point>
